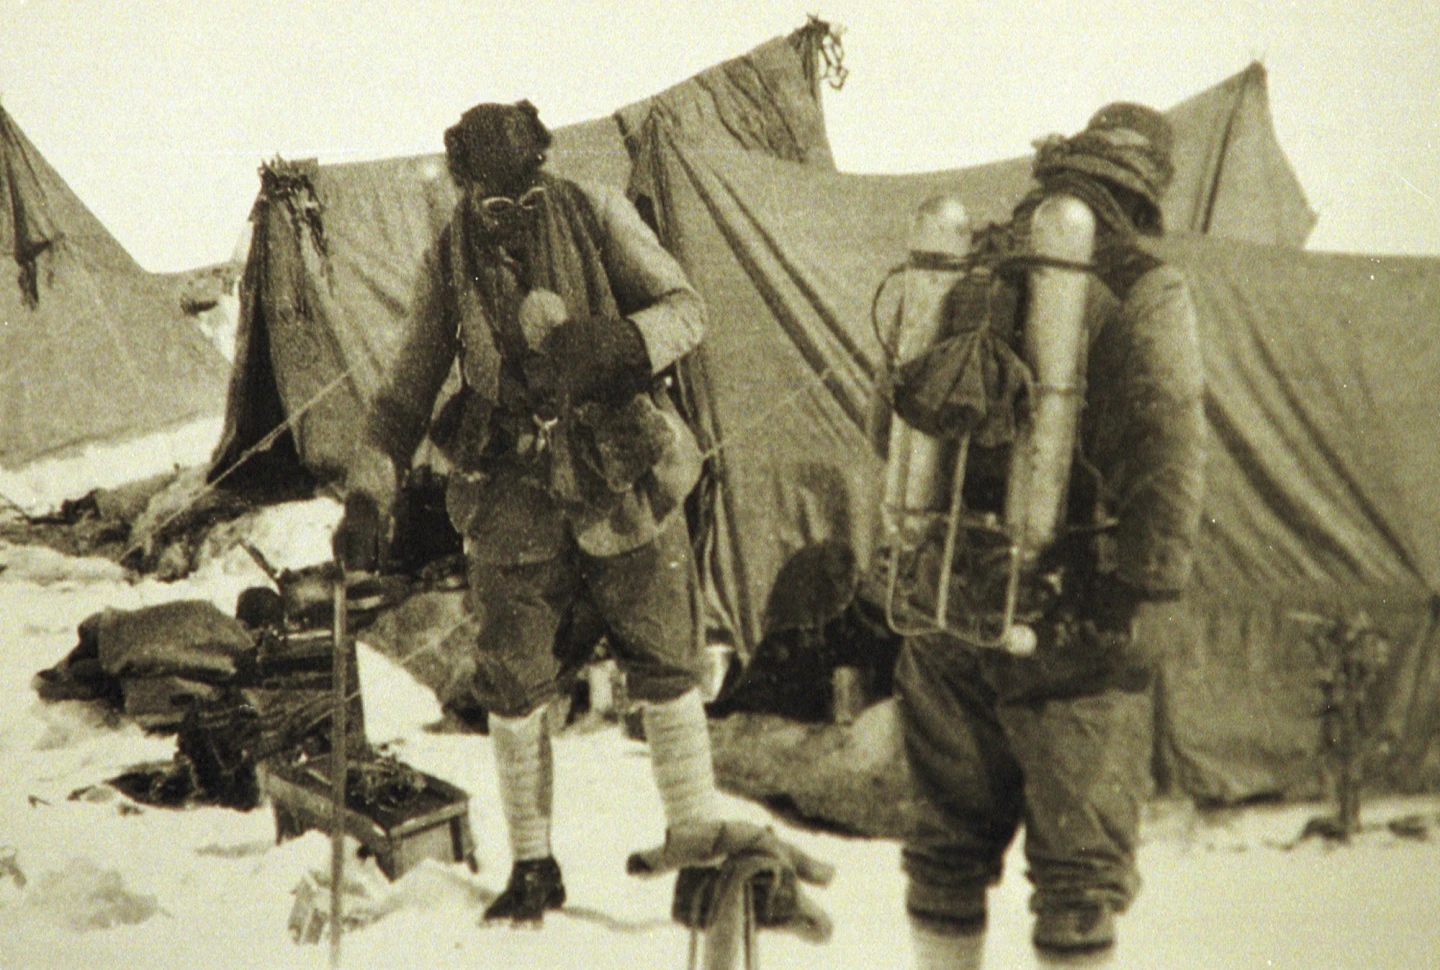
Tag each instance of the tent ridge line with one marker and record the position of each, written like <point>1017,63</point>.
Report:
<point>1212,190</point>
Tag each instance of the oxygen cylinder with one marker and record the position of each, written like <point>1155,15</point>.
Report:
<point>916,472</point>
<point>1062,228</point>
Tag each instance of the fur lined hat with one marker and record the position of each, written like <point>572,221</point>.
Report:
<point>501,146</point>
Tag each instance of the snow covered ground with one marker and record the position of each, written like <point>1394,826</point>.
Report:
<point>107,883</point>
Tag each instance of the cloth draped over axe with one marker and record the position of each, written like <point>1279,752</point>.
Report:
<point>715,861</point>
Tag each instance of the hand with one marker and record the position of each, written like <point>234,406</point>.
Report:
<point>597,358</point>
<point>361,540</point>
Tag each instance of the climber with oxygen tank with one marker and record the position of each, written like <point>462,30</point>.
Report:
<point>1044,484</point>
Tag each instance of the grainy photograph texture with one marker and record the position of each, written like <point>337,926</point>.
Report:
<point>719,485</point>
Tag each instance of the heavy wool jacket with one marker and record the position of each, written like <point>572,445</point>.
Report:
<point>516,492</point>
<point>1144,428</point>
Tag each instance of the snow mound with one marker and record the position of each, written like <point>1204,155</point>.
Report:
<point>851,778</point>
<point>42,486</point>
<point>82,896</point>
<point>288,535</point>
<point>47,567</point>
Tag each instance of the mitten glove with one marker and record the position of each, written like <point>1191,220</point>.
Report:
<point>597,358</point>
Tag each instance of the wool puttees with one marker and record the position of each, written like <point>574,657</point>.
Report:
<point>526,770</point>
<point>679,739</point>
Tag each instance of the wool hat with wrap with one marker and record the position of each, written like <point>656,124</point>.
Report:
<point>1125,144</point>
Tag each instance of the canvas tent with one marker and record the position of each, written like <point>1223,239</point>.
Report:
<point>1321,387</point>
<point>92,347</point>
<point>335,247</point>
<point>1318,399</point>
<point>1315,499</point>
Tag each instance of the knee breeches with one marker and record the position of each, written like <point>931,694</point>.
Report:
<point>1070,764</point>
<point>645,600</point>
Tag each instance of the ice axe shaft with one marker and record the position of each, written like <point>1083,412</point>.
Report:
<point>749,940</point>
<point>720,950</point>
<point>339,768</point>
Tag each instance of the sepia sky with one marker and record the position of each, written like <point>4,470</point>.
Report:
<point>158,112</point>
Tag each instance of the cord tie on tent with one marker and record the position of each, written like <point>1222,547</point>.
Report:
<point>27,226</point>
<point>819,44</point>
<point>292,185</point>
<point>29,276</point>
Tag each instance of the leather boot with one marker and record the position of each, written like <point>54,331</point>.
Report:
<point>534,887</point>
<point>1075,928</point>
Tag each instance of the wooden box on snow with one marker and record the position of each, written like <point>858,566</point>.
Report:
<point>431,823</point>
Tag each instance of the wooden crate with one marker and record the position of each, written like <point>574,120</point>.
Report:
<point>290,684</point>
<point>432,824</point>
